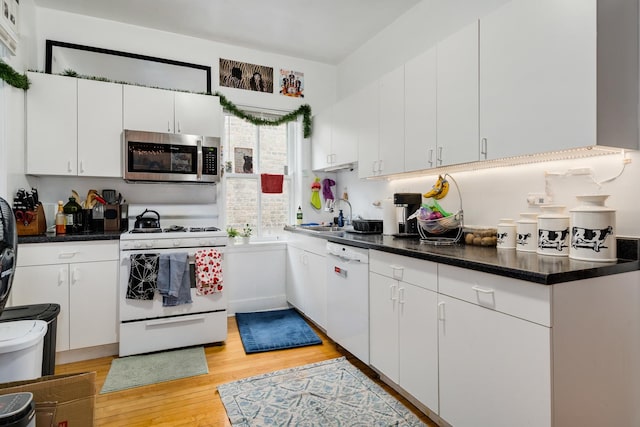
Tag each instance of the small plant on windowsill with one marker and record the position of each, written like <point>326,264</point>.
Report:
<point>232,232</point>
<point>245,234</point>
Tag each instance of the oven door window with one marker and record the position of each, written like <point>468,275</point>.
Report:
<point>162,158</point>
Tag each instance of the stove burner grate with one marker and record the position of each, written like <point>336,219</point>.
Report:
<point>200,229</point>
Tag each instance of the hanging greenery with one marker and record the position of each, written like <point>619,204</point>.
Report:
<point>305,110</point>
<point>12,77</point>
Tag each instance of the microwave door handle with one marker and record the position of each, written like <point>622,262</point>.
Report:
<point>200,160</point>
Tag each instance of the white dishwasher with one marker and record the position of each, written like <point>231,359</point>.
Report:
<point>348,298</point>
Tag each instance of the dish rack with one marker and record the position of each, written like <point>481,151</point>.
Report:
<point>446,230</point>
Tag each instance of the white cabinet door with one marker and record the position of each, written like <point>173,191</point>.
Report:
<point>383,325</point>
<point>52,130</point>
<point>495,369</point>
<point>99,128</point>
<point>148,109</point>
<point>458,97</point>
<point>538,63</point>
<point>392,122</point>
<point>296,272</point>
<point>418,343</point>
<point>420,105</point>
<point>46,284</point>
<point>321,139</point>
<point>93,298</point>
<point>316,288</point>
<point>197,114</point>
<point>344,134</point>
<point>367,127</point>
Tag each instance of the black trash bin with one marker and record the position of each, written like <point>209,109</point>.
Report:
<point>48,313</point>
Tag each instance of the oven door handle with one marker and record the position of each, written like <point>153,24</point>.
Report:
<point>200,160</point>
<point>173,320</point>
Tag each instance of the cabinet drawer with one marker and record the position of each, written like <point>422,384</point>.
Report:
<point>406,269</point>
<point>529,301</point>
<point>64,253</point>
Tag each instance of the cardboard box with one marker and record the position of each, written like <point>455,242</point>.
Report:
<point>74,396</point>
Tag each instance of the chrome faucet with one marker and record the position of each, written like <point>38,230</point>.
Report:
<point>348,221</point>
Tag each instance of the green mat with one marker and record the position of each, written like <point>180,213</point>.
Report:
<point>135,371</point>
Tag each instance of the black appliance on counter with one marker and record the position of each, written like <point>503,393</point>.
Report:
<point>410,202</point>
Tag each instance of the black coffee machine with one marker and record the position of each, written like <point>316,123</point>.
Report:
<point>410,202</point>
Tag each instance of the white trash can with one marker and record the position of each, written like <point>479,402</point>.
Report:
<point>21,344</point>
<point>17,410</point>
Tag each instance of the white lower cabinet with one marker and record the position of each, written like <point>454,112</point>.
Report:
<point>306,283</point>
<point>495,369</point>
<point>82,279</point>
<point>403,324</point>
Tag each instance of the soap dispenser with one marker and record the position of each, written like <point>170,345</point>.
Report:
<point>340,219</point>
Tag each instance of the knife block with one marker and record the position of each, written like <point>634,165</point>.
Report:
<point>36,227</point>
<point>111,217</point>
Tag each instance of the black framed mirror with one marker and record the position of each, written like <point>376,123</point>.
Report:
<point>120,66</point>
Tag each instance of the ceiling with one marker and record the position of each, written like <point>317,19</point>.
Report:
<point>320,30</point>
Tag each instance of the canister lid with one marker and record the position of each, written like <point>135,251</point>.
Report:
<point>21,334</point>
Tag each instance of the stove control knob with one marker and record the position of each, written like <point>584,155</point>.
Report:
<point>137,245</point>
<point>149,243</point>
<point>176,243</point>
<point>203,242</point>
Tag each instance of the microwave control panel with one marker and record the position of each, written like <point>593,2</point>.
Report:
<point>209,160</point>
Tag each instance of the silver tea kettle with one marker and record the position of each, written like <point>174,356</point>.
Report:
<point>143,221</point>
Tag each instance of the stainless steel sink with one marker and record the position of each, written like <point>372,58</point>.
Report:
<point>324,229</point>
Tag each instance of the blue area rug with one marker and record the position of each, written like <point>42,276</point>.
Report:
<point>329,393</point>
<point>274,330</point>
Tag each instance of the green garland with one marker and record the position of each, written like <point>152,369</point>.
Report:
<point>304,109</point>
<point>12,77</point>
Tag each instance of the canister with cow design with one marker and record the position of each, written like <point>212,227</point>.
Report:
<point>506,234</point>
<point>593,230</point>
<point>553,231</point>
<point>527,232</point>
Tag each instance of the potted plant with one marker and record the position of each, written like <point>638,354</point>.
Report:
<point>232,232</point>
<point>245,234</point>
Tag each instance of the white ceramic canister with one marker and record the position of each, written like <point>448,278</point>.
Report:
<point>527,232</point>
<point>506,234</point>
<point>593,230</point>
<point>553,231</point>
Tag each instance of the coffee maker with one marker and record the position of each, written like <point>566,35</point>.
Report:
<point>409,202</point>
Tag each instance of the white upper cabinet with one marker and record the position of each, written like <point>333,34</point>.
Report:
<point>335,137</point>
<point>558,74</point>
<point>74,127</point>
<point>420,127</point>
<point>99,128</point>
<point>158,110</point>
<point>457,100</point>
<point>367,124</point>
<point>392,122</point>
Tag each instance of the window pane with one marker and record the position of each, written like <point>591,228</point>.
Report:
<point>273,149</point>
<point>275,211</point>
<point>242,145</point>
<point>242,202</point>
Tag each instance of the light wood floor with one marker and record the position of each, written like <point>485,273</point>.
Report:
<point>195,401</point>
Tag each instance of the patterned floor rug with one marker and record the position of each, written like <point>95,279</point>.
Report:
<point>329,393</point>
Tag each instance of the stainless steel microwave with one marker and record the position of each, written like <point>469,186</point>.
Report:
<point>169,157</point>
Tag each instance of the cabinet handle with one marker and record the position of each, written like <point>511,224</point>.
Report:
<point>179,131</point>
<point>81,167</point>
<point>67,254</point>
<point>395,269</point>
<point>430,161</point>
<point>483,147</point>
<point>61,276</point>
<point>481,290</point>
<point>69,166</point>
<point>393,296</point>
<point>380,166</point>
<point>168,126</point>
<point>374,166</point>
<point>441,310</point>
<point>401,295</point>
<point>439,158</point>
<point>75,276</point>
<point>169,321</point>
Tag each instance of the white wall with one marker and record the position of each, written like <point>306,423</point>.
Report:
<point>487,195</point>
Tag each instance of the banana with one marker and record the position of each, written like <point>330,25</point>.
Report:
<point>439,189</point>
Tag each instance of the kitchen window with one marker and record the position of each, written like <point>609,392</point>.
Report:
<point>248,152</point>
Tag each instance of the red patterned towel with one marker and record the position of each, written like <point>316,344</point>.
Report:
<point>208,271</point>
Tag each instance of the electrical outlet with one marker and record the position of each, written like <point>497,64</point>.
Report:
<point>537,199</point>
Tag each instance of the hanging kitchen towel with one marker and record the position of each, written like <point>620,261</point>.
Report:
<point>173,279</point>
<point>315,194</point>
<point>271,183</point>
<point>208,271</point>
<point>143,276</point>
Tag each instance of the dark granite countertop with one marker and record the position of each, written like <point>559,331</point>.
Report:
<point>52,238</point>
<point>543,269</point>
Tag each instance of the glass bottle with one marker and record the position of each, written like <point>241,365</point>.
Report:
<point>73,212</point>
<point>340,219</point>
<point>299,215</point>
<point>61,220</point>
